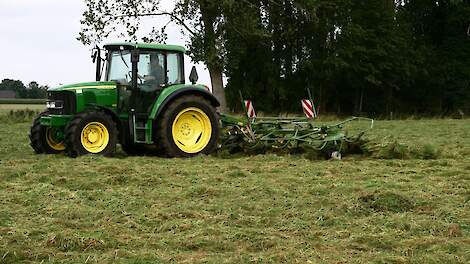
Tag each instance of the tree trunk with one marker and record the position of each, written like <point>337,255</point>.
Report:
<point>389,103</point>
<point>213,61</point>
<point>218,87</point>
<point>361,100</point>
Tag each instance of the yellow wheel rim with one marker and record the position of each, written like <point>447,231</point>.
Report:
<point>95,137</point>
<point>192,130</point>
<point>52,141</point>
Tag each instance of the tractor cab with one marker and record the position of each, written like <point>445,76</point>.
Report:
<point>141,72</point>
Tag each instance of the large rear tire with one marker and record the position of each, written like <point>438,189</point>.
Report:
<point>188,126</point>
<point>44,139</point>
<point>91,133</point>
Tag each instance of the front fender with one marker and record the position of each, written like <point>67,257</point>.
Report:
<point>171,93</point>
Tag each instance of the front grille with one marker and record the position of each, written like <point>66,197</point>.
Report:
<point>67,100</point>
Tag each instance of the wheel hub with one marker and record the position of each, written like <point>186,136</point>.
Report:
<point>94,137</point>
<point>186,129</point>
<point>192,130</point>
<point>54,138</point>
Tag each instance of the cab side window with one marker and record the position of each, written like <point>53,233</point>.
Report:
<point>144,64</point>
<point>174,67</point>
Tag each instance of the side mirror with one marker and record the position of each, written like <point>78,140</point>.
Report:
<point>95,53</point>
<point>97,59</point>
<point>94,56</point>
<point>193,77</point>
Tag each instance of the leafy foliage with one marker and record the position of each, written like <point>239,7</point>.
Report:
<point>369,56</point>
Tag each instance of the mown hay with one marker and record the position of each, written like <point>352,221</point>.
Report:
<point>386,202</point>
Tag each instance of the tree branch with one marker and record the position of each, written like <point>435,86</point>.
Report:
<point>173,16</point>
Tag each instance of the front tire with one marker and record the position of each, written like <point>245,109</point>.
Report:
<point>44,140</point>
<point>189,126</point>
<point>91,133</point>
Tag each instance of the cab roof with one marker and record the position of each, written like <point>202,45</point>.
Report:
<point>154,46</point>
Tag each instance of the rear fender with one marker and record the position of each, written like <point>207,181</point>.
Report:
<point>172,93</point>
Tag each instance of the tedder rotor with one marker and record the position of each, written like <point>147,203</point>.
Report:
<point>141,99</point>
<point>254,134</point>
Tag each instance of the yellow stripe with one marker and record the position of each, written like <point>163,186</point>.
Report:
<point>93,87</point>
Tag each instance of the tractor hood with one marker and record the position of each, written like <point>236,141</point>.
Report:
<point>85,86</point>
<point>83,95</point>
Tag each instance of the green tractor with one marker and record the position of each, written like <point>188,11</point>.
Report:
<point>143,101</point>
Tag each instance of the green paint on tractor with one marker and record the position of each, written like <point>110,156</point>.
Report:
<point>140,99</point>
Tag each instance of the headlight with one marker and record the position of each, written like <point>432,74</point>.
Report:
<point>54,104</point>
<point>50,104</point>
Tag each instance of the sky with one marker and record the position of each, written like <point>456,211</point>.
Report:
<point>38,42</point>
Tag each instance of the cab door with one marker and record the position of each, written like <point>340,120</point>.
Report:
<point>151,79</point>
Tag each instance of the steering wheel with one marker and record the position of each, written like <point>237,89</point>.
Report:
<point>140,78</point>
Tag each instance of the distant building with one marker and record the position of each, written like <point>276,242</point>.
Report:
<point>7,94</point>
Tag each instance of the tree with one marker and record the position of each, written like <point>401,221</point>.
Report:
<point>205,42</point>
<point>357,56</point>
<point>372,56</point>
<point>34,90</point>
<point>200,19</point>
<point>14,85</point>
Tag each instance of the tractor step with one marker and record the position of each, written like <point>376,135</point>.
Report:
<point>142,129</point>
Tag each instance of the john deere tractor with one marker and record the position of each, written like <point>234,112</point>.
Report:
<point>143,100</point>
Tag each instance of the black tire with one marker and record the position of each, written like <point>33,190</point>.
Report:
<point>73,134</point>
<point>38,137</point>
<point>165,139</point>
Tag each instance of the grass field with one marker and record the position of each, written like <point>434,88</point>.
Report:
<point>7,107</point>
<point>260,209</point>
<point>22,101</point>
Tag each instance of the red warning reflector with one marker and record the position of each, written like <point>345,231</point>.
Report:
<point>309,108</point>
<point>250,109</point>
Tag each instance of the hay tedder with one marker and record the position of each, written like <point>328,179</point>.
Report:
<point>254,134</point>
<point>142,100</point>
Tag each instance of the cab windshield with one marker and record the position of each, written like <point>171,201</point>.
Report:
<point>155,68</point>
<point>119,66</point>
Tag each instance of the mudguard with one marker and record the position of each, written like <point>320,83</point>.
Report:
<point>174,92</point>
